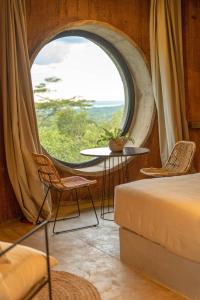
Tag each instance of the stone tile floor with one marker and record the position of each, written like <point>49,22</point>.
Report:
<point>94,254</point>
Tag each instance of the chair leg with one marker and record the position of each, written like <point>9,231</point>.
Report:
<point>91,199</point>
<point>58,206</point>
<point>65,218</point>
<point>73,217</point>
<point>77,228</point>
<point>38,217</point>
<point>79,213</point>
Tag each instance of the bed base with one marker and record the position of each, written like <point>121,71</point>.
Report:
<point>174,272</point>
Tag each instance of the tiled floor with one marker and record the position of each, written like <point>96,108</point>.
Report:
<point>94,254</point>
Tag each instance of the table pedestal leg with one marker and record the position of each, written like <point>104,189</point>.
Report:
<point>110,179</point>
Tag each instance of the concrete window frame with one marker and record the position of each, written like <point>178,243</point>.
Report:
<point>144,106</point>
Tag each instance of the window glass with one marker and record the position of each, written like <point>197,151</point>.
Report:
<point>78,91</point>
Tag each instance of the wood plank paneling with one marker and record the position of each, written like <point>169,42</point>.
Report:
<point>191,47</point>
<point>130,16</point>
<point>191,41</point>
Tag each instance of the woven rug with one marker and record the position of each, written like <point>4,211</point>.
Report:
<point>66,286</point>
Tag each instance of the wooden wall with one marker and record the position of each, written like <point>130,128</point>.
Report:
<point>191,44</point>
<point>45,16</point>
<point>131,17</point>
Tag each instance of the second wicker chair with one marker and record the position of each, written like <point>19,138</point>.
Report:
<point>179,162</point>
<point>51,179</point>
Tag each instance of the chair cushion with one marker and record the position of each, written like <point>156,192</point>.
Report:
<point>160,172</point>
<point>73,182</point>
<point>26,268</point>
<point>3,259</point>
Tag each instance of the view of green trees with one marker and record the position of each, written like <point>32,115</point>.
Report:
<point>67,126</point>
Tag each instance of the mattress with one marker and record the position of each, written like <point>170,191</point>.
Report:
<point>163,210</point>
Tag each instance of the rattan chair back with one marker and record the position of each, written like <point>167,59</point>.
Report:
<point>178,163</point>
<point>47,171</point>
<point>181,157</point>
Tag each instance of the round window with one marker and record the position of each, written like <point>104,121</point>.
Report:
<point>81,86</point>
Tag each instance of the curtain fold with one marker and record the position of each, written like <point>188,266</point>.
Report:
<point>167,73</point>
<point>19,119</point>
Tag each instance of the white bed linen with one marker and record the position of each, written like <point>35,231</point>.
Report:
<point>27,266</point>
<point>164,210</point>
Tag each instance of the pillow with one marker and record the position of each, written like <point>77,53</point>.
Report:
<point>26,268</point>
<point>3,259</point>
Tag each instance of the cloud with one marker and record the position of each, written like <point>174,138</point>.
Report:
<point>74,40</point>
<point>57,51</point>
<point>54,52</point>
<point>86,70</point>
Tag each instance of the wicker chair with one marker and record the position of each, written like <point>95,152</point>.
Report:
<point>51,179</point>
<point>179,162</point>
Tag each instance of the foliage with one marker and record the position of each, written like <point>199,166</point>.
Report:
<point>67,126</point>
<point>67,131</point>
<point>57,104</point>
<point>41,88</point>
<point>114,134</point>
<point>52,79</point>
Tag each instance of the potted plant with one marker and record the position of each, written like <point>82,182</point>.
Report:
<point>115,139</point>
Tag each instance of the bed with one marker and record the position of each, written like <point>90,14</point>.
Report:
<point>160,230</point>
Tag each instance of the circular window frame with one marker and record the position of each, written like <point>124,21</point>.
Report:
<point>144,112</point>
<point>126,78</point>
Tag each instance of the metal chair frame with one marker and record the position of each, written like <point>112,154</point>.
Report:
<point>51,186</point>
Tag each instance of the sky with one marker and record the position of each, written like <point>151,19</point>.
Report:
<point>85,70</point>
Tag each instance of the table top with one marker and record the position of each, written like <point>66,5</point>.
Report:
<point>106,152</point>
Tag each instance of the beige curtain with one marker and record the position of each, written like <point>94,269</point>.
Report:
<point>20,128</point>
<point>167,72</point>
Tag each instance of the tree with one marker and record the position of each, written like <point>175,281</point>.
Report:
<point>66,126</point>
<point>71,122</point>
